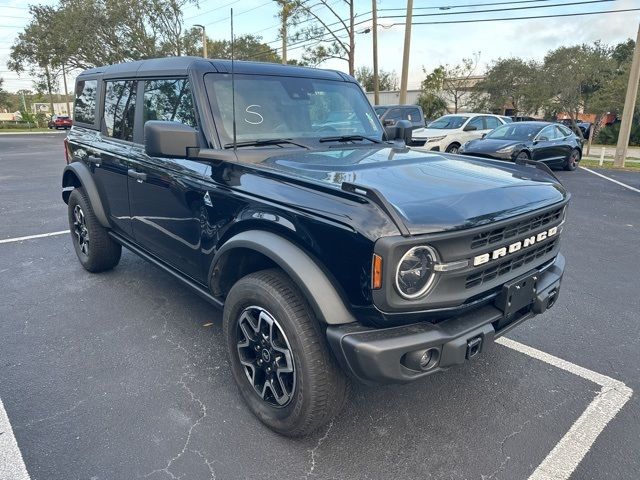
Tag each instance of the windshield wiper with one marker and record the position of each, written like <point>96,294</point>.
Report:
<point>348,138</point>
<point>266,141</point>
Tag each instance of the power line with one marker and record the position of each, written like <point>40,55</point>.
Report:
<point>213,9</point>
<point>506,9</point>
<point>449,7</point>
<point>478,20</point>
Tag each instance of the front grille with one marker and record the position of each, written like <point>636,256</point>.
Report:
<point>528,256</point>
<point>515,229</point>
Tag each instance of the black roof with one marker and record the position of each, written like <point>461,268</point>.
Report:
<point>180,65</point>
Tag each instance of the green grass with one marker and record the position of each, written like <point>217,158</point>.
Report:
<point>594,163</point>
<point>22,130</point>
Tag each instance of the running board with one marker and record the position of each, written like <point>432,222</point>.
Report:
<point>197,288</point>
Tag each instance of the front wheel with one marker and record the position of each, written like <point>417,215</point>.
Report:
<point>279,356</point>
<point>572,162</point>
<point>453,148</point>
<point>522,156</point>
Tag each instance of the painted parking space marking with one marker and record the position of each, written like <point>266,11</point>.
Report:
<point>560,463</point>
<point>611,179</point>
<point>12,465</point>
<point>30,237</point>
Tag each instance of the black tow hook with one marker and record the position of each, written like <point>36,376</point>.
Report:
<point>473,347</point>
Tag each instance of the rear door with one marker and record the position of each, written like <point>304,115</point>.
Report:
<point>548,146</point>
<point>101,139</point>
<point>168,195</point>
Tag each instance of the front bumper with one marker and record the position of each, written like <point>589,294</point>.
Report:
<point>387,355</point>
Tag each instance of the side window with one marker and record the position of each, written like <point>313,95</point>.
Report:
<point>119,109</point>
<point>413,114</point>
<point>84,109</point>
<point>477,122</point>
<point>564,131</point>
<point>492,122</point>
<point>169,100</point>
<point>548,132</point>
<point>394,114</point>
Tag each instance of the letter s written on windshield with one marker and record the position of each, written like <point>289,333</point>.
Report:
<point>256,118</point>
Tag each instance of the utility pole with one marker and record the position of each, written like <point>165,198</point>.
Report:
<point>629,106</point>
<point>405,54</point>
<point>376,79</point>
<point>66,91</point>
<point>204,41</point>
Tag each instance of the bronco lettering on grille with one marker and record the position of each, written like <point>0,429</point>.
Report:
<point>514,247</point>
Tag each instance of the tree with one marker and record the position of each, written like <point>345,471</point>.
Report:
<point>246,47</point>
<point>610,98</point>
<point>574,76</point>
<point>386,80</point>
<point>4,95</point>
<point>333,38</point>
<point>510,82</point>
<point>288,13</point>
<point>432,105</point>
<point>452,84</point>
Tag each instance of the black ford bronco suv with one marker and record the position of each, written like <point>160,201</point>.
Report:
<point>272,192</point>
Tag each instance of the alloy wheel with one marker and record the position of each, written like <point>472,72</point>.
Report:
<point>265,354</point>
<point>80,229</point>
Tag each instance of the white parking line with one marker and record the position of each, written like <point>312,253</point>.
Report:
<point>29,237</point>
<point>611,179</point>
<point>12,465</point>
<point>574,445</point>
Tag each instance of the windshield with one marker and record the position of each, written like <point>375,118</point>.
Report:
<point>448,122</point>
<point>515,131</point>
<point>269,107</point>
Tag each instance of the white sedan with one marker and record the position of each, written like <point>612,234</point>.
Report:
<point>448,132</point>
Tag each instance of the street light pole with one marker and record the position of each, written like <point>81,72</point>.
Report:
<point>629,107</point>
<point>376,79</point>
<point>404,79</point>
<point>204,40</point>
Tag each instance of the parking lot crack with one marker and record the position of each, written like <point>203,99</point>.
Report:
<point>203,413</point>
<point>314,450</point>
<point>208,462</point>
<point>52,416</point>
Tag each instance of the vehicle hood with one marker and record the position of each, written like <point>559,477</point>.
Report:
<point>489,145</point>
<point>432,192</point>
<point>432,132</point>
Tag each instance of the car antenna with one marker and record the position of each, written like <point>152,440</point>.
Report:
<point>233,87</point>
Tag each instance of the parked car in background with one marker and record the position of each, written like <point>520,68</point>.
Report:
<point>551,143</point>
<point>389,115</point>
<point>584,127</point>
<point>448,132</point>
<point>60,121</point>
<point>524,119</point>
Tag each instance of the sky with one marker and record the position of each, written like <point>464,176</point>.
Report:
<point>431,45</point>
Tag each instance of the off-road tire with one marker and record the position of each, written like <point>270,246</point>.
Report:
<point>321,388</point>
<point>102,252</point>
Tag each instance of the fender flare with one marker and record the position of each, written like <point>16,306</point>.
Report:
<point>323,298</point>
<point>86,181</point>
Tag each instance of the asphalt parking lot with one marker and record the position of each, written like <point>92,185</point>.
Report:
<point>123,375</point>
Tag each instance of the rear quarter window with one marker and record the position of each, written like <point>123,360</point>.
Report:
<point>84,109</point>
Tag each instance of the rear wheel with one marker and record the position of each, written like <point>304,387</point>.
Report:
<point>453,148</point>
<point>572,162</point>
<point>95,249</point>
<point>278,355</point>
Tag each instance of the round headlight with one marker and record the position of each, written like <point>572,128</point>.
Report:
<point>415,273</point>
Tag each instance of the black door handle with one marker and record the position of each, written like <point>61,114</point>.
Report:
<point>140,177</point>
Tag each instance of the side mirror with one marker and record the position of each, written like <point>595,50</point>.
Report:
<point>469,128</point>
<point>483,135</point>
<point>389,123</point>
<point>404,129</point>
<point>169,139</point>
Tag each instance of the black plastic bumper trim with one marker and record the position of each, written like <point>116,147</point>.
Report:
<point>374,355</point>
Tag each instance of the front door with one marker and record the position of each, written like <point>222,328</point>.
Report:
<point>167,196</point>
